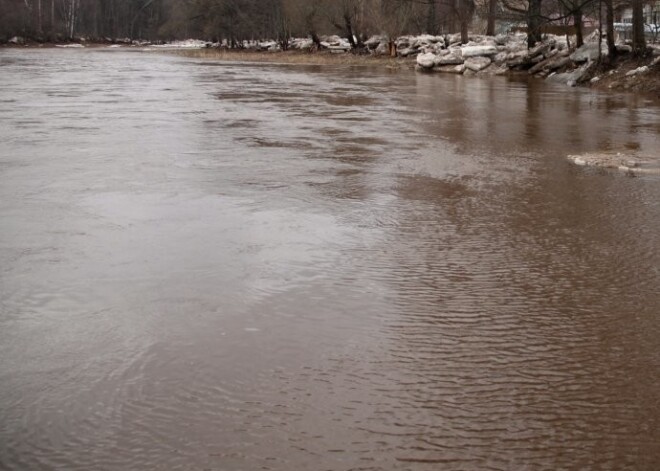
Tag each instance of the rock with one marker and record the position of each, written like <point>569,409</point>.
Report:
<point>405,52</point>
<point>623,48</point>
<point>437,48</point>
<point>569,78</point>
<point>375,41</point>
<point>499,58</point>
<point>454,38</point>
<point>475,51</point>
<point>587,52</point>
<point>501,39</point>
<point>538,50</point>
<point>551,53</point>
<point>427,61</point>
<point>550,64</point>
<point>383,49</point>
<point>594,80</point>
<point>476,64</point>
<point>638,71</point>
<point>514,59</point>
<point>493,69</point>
<point>450,69</point>
<point>536,59</point>
<point>450,59</point>
<point>16,40</point>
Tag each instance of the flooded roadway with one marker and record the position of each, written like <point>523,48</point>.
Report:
<point>224,266</point>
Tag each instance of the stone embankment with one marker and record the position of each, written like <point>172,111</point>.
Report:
<point>552,59</point>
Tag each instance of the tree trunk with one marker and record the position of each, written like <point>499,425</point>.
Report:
<point>577,22</point>
<point>464,31</point>
<point>39,25</point>
<point>392,48</point>
<point>611,47</point>
<point>432,18</point>
<point>349,30</point>
<point>315,39</point>
<point>638,39</point>
<point>492,11</point>
<point>533,23</point>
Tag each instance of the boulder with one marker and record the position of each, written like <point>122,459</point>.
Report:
<point>570,78</point>
<point>382,49</point>
<point>501,39</point>
<point>475,51</point>
<point>427,61</point>
<point>587,53</point>
<point>550,64</point>
<point>493,69</point>
<point>638,71</point>
<point>500,57</point>
<point>475,64</point>
<point>375,41</point>
<point>450,59</point>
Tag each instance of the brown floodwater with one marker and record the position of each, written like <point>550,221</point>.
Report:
<point>233,266</point>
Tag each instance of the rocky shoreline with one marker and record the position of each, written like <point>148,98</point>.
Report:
<point>553,60</point>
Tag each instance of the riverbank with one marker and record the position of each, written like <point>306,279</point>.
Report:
<point>553,60</point>
<point>624,74</point>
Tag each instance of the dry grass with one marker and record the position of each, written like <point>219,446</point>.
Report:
<point>299,57</point>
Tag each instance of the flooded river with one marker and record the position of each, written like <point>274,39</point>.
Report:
<point>228,266</point>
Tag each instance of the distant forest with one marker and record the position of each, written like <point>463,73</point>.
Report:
<point>229,19</point>
<point>236,20</point>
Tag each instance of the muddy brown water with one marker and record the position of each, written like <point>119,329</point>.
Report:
<point>230,266</point>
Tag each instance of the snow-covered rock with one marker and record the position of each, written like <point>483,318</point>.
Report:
<point>638,71</point>
<point>16,40</point>
<point>382,49</point>
<point>475,51</point>
<point>550,64</point>
<point>587,52</point>
<point>450,59</point>
<point>187,44</point>
<point>301,43</point>
<point>476,64</point>
<point>427,61</point>
<point>514,59</point>
<point>500,57</point>
<point>569,78</point>
<point>374,41</point>
<point>451,69</point>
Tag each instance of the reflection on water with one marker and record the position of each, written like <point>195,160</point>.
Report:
<point>233,266</point>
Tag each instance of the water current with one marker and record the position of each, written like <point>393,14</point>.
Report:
<point>234,266</point>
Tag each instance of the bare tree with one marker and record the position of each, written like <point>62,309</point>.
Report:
<point>638,39</point>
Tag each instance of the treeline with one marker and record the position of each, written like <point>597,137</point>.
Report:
<point>237,20</point>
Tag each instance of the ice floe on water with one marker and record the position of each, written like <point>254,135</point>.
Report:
<point>619,161</point>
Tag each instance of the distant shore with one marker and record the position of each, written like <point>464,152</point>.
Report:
<point>625,73</point>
